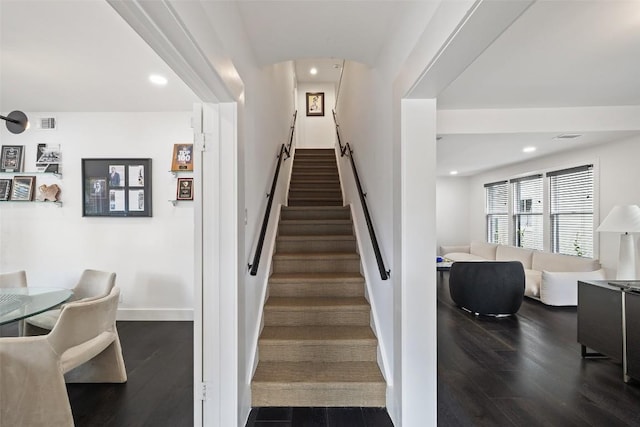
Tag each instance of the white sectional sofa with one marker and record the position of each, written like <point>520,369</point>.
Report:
<point>550,278</point>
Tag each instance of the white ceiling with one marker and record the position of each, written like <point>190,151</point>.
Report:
<point>329,70</point>
<point>76,55</point>
<point>558,54</point>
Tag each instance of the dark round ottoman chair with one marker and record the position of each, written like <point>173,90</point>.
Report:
<point>487,287</point>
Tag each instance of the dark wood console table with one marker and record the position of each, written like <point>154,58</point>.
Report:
<point>609,322</point>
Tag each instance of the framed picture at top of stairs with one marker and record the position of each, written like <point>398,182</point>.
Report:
<point>315,103</point>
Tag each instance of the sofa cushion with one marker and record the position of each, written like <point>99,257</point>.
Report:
<point>532,279</point>
<point>449,249</point>
<point>484,250</point>
<point>513,253</point>
<point>557,262</point>
<point>461,256</point>
<point>561,288</point>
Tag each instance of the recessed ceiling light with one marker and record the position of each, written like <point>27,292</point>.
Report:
<point>528,149</point>
<point>157,79</point>
<point>453,173</point>
<point>568,136</point>
<point>313,71</point>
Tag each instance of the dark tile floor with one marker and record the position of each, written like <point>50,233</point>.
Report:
<point>319,417</point>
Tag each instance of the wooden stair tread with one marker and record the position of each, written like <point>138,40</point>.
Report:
<point>315,221</point>
<point>314,208</point>
<point>317,303</point>
<point>316,237</point>
<point>315,255</point>
<point>311,333</point>
<point>315,277</point>
<point>314,372</point>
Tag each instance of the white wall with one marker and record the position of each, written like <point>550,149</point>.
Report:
<point>616,173</point>
<point>316,131</point>
<point>365,130</point>
<point>152,257</point>
<point>269,114</point>
<point>452,211</point>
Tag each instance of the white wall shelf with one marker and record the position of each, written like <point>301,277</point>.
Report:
<point>56,174</point>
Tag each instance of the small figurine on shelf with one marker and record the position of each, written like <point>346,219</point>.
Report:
<point>49,192</point>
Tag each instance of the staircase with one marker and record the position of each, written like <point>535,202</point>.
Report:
<point>317,347</point>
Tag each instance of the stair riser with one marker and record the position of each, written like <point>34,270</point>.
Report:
<point>300,351</point>
<point>340,213</point>
<point>319,394</point>
<point>314,186</point>
<point>315,167</point>
<point>324,194</point>
<point>309,178</point>
<point>316,318</point>
<point>317,173</point>
<point>315,229</point>
<point>315,246</point>
<point>314,151</point>
<point>315,163</point>
<point>311,202</point>
<point>315,265</point>
<point>302,290</point>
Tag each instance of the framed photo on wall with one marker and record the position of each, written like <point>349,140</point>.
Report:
<point>5,189</point>
<point>185,189</point>
<point>11,158</point>
<point>116,187</point>
<point>22,188</point>
<point>315,103</point>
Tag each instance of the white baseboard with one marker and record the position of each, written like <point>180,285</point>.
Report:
<point>167,314</point>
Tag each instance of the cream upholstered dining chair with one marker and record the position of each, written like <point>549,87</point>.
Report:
<point>16,279</point>
<point>92,284</point>
<point>82,347</point>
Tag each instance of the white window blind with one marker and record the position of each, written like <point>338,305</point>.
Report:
<point>528,212</point>
<point>571,210</point>
<point>497,211</point>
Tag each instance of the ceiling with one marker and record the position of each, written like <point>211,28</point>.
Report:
<point>557,54</point>
<point>52,61</point>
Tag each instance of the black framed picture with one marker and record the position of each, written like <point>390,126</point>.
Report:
<point>315,103</point>
<point>11,158</point>
<point>116,187</point>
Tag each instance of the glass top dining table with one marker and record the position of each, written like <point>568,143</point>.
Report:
<point>20,303</point>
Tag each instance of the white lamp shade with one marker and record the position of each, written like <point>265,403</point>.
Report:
<point>622,219</point>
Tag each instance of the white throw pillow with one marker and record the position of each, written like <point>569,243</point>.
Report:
<point>561,287</point>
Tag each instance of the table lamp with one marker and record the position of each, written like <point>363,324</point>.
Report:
<point>624,220</point>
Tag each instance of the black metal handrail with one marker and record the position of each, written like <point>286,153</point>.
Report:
<point>346,150</point>
<point>284,149</point>
<point>335,120</point>
<point>291,130</point>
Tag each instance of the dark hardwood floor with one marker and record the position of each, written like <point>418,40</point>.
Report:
<point>524,370</point>
<point>319,417</point>
<point>159,391</point>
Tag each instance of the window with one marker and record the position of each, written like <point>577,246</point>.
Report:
<point>571,211</point>
<point>528,212</point>
<point>497,210</point>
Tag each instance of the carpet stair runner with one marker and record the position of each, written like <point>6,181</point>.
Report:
<point>317,347</point>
